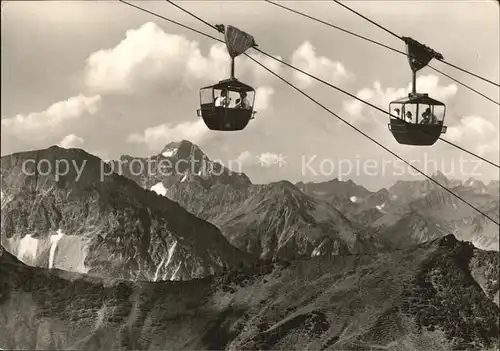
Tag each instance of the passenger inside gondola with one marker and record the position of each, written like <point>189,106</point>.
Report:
<point>409,117</point>
<point>223,100</point>
<point>397,111</point>
<point>428,117</point>
<point>425,117</point>
<point>243,102</point>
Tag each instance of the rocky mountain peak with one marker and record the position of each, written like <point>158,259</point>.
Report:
<point>475,184</point>
<point>439,177</point>
<point>67,167</point>
<point>180,163</point>
<point>283,185</point>
<point>183,149</point>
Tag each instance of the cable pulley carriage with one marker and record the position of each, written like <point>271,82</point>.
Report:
<point>228,104</point>
<point>417,119</point>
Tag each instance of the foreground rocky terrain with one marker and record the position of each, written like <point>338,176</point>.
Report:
<point>434,296</point>
<point>85,218</point>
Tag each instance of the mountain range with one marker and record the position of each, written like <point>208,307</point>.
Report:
<point>175,251</point>
<point>266,220</point>
<point>418,211</point>
<point>279,219</point>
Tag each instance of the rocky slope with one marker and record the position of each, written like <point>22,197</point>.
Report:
<point>96,221</point>
<point>272,220</point>
<point>428,297</point>
<point>334,189</point>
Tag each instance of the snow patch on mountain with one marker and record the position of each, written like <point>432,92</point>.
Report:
<point>469,182</point>
<point>4,200</point>
<point>169,152</point>
<point>174,276</point>
<point>159,188</point>
<point>28,247</point>
<point>54,239</point>
<point>165,261</point>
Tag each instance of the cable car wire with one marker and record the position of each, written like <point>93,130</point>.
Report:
<point>399,37</point>
<point>463,84</point>
<point>170,20</point>
<point>379,44</point>
<point>325,108</point>
<point>331,85</point>
<point>193,15</point>
<point>369,20</point>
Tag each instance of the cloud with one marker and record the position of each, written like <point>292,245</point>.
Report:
<point>261,75</point>
<point>244,157</point>
<point>267,159</point>
<point>148,56</point>
<point>71,141</point>
<point>475,133</point>
<point>355,107</point>
<point>382,97</point>
<point>146,53</point>
<point>263,98</point>
<point>264,159</point>
<point>38,126</point>
<point>306,59</point>
<point>156,137</point>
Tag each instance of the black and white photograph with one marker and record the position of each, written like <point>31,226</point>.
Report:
<point>250,175</point>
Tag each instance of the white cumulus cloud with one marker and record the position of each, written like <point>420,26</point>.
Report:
<point>156,137</point>
<point>244,157</point>
<point>306,59</point>
<point>70,141</point>
<point>476,134</point>
<point>261,75</point>
<point>263,98</point>
<point>146,53</point>
<point>267,159</point>
<point>148,56</point>
<point>38,126</point>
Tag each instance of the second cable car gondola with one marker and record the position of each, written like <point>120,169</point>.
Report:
<point>417,119</point>
<point>228,104</point>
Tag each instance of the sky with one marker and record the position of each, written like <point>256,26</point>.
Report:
<point>110,79</point>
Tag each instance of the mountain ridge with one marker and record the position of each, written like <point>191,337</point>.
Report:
<point>105,225</point>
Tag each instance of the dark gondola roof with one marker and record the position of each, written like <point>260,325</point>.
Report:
<point>230,84</point>
<point>418,99</point>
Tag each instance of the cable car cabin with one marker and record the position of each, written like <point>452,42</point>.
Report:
<point>417,119</point>
<point>227,105</point>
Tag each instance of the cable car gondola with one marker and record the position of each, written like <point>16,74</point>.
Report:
<point>417,119</point>
<point>228,104</point>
